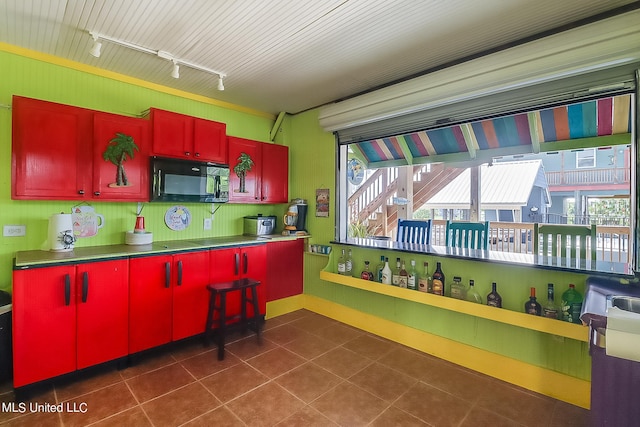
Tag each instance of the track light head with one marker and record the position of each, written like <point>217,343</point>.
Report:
<point>220,83</point>
<point>97,46</point>
<point>175,73</point>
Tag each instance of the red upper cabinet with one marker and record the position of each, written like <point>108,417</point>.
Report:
<point>268,179</point>
<point>185,137</point>
<point>51,150</point>
<point>130,180</point>
<point>57,153</point>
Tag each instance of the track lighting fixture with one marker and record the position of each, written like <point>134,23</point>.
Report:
<point>175,72</point>
<point>95,49</point>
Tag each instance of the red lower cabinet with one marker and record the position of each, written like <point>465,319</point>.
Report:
<point>67,318</point>
<point>237,263</point>
<point>168,298</point>
<point>285,274</point>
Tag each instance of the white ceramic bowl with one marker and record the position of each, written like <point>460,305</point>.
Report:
<point>132,238</point>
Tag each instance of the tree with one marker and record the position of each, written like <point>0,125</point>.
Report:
<point>118,149</point>
<point>244,165</point>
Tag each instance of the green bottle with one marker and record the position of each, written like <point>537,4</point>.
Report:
<point>571,305</point>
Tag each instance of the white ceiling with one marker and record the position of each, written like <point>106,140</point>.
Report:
<point>283,55</point>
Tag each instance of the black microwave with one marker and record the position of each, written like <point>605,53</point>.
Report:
<point>174,180</point>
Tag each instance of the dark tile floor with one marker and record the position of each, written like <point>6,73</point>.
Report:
<point>310,371</point>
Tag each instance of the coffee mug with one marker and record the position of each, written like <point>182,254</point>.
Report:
<point>86,222</point>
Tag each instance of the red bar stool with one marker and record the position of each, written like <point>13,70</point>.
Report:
<point>221,289</point>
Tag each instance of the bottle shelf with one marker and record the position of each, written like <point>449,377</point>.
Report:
<point>522,320</point>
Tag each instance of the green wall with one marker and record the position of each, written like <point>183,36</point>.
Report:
<point>25,76</point>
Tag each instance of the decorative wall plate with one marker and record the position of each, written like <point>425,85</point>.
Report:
<point>177,218</point>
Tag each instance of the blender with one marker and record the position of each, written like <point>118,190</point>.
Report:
<point>295,220</point>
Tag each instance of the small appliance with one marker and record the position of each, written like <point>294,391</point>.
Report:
<point>295,219</point>
<point>259,225</point>
<point>174,180</point>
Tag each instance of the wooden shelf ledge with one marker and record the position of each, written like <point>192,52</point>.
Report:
<point>522,320</point>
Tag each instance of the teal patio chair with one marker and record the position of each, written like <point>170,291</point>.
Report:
<point>414,231</point>
<point>470,235</point>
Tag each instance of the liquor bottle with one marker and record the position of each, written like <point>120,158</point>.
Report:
<point>403,276</point>
<point>412,282</point>
<point>494,299</point>
<point>425,280</point>
<point>366,274</point>
<point>349,265</point>
<point>458,290</point>
<point>379,269</point>
<point>437,281</point>
<point>386,272</point>
<point>472,294</point>
<point>571,305</point>
<point>342,263</point>
<point>550,309</point>
<point>533,306</point>
<point>395,277</point>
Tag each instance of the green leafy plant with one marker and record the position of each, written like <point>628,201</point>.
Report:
<point>362,229</point>
<point>118,149</point>
<point>244,165</point>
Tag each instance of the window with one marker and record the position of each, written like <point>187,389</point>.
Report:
<point>586,158</point>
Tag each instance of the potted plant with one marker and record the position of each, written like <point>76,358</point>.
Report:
<point>118,149</point>
<point>244,165</point>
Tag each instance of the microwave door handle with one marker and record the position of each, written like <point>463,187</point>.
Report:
<point>159,183</point>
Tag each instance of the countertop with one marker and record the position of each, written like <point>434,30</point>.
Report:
<point>38,258</point>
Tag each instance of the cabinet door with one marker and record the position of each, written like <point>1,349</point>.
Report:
<point>44,324</point>
<point>150,298</point>
<point>172,134</point>
<point>102,307</point>
<point>254,265</point>
<point>130,181</point>
<point>51,151</point>
<point>209,140</point>
<point>275,173</point>
<point>251,193</point>
<point>190,295</point>
<point>285,272</point>
<point>226,266</point>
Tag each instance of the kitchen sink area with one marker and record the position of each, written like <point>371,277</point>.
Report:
<point>611,309</point>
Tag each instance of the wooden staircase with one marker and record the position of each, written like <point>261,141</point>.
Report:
<point>373,201</point>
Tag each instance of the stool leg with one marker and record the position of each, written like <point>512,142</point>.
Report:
<point>243,311</point>
<point>223,325</point>
<point>256,312</point>
<point>209,322</point>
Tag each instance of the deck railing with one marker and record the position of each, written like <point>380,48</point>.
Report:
<point>612,242</point>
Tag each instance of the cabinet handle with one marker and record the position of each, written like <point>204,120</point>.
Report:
<point>85,286</point>
<point>197,154</point>
<point>81,192</point>
<point>67,289</point>
<point>187,153</point>
<point>167,274</point>
<point>179,272</point>
<point>246,262</point>
<point>237,263</point>
<point>96,193</point>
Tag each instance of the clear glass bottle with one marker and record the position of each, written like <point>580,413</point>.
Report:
<point>349,264</point>
<point>403,276</point>
<point>379,269</point>
<point>571,305</point>
<point>412,282</point>
<point>386,272</point>
<point>533,306</point>
<point>437,281</point>
<point>458,290</point>
<point>472,294</point>
<point>424,283</point>
<point>395,277</point>
<point>550,309</point>
<point>342,263</point>
<point>366,273</point>
<point>494,299</point>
